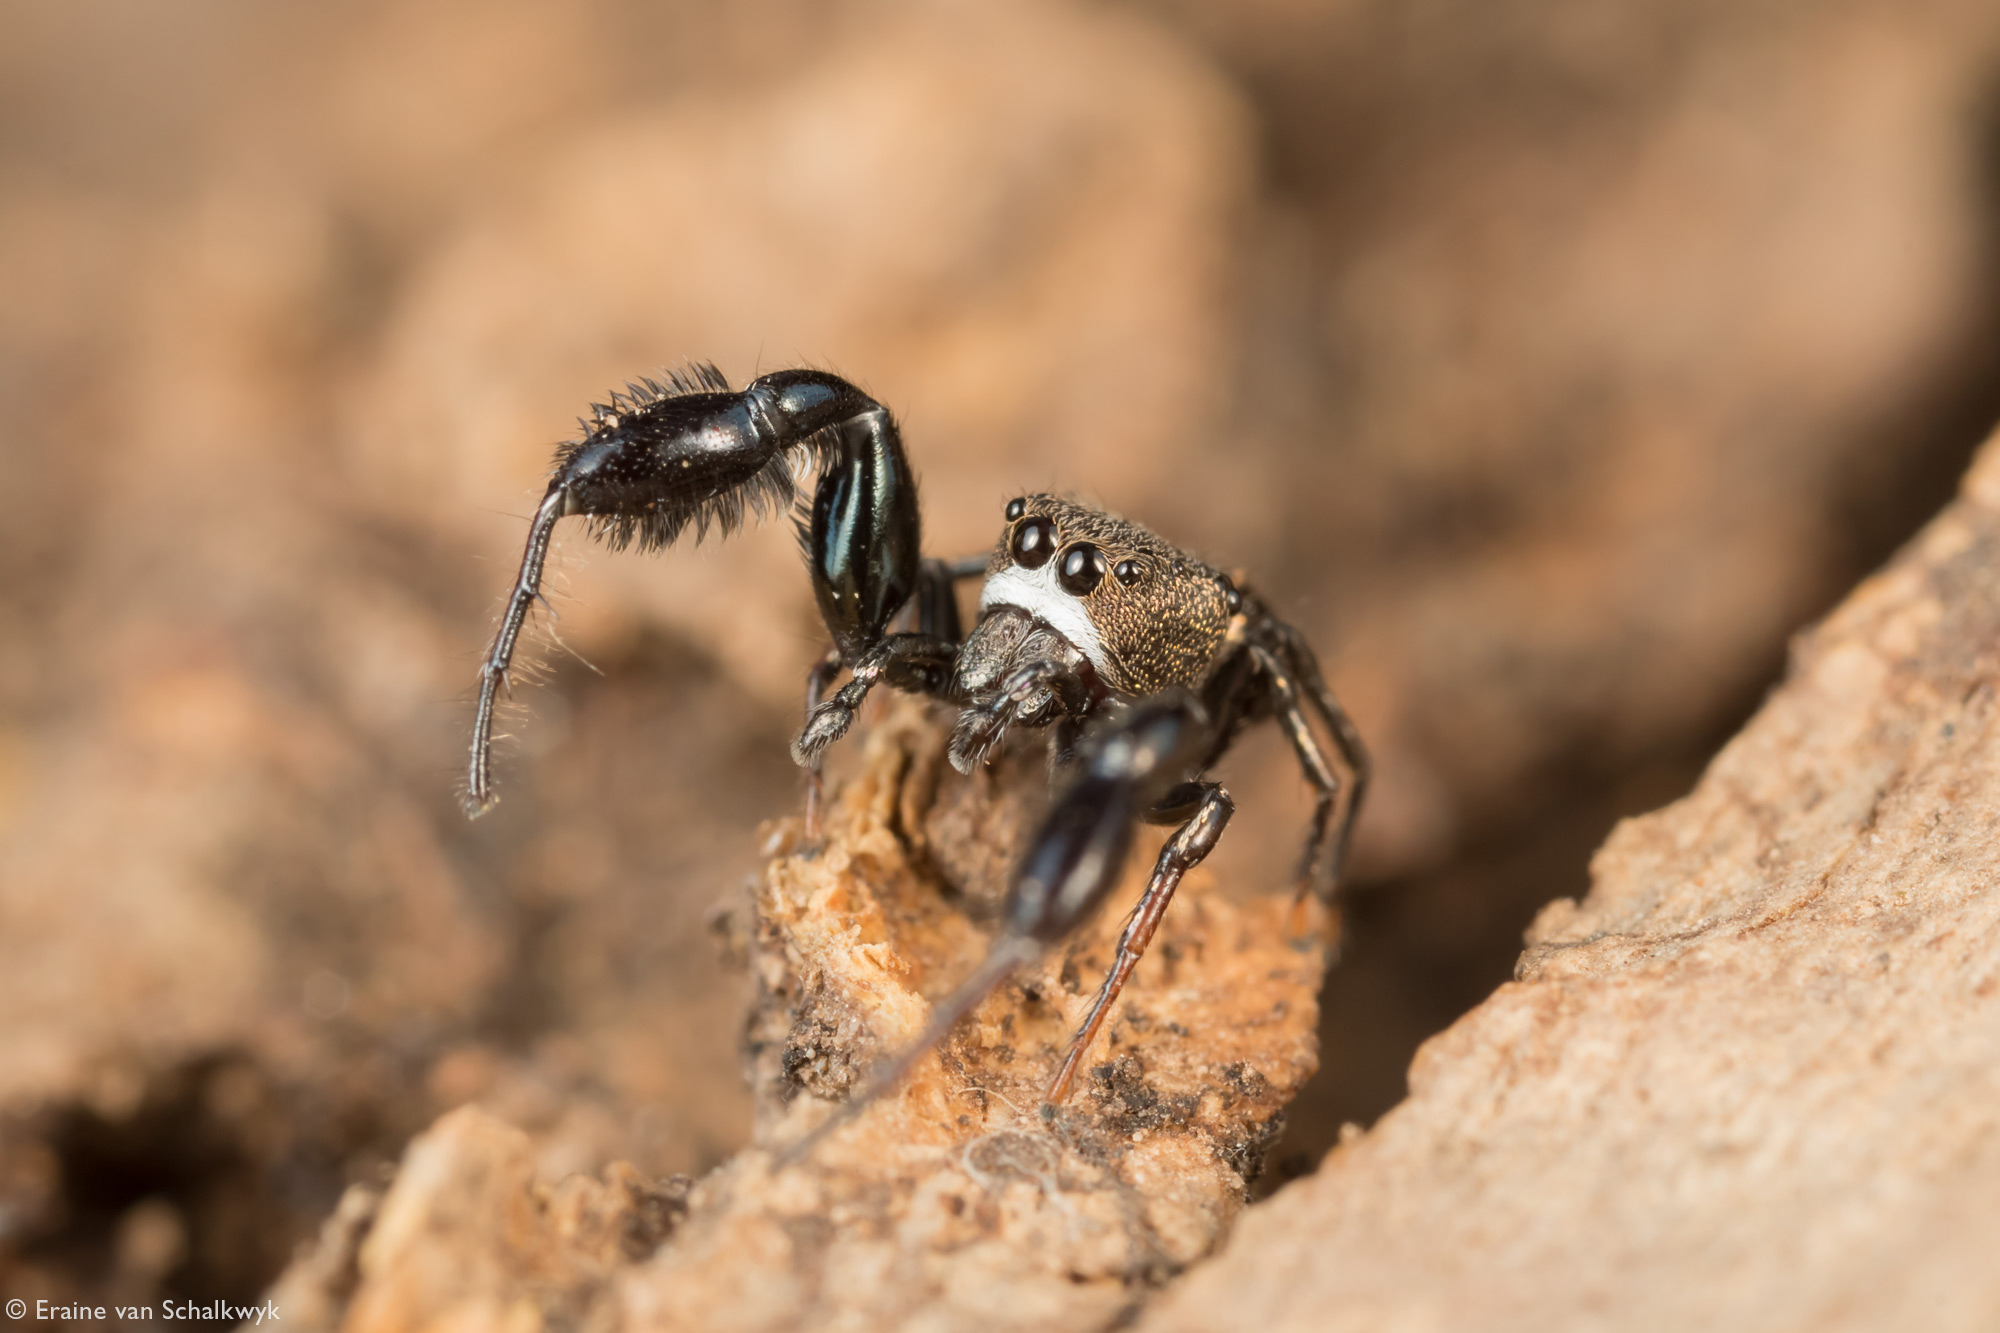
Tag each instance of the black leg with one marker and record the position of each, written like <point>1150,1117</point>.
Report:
<point>1277,678</point>
<point>817,679</point>
<point>1184,851</point>
<point>968,566</point>
<point>919,663</point>
<point>1123,767</point>
<point>937,597</point>
<point>863,541</point>
<point>693,453</point>
<point>1063,739</point>
<point>1179,804</point>
<point>1346,736</point>
<point>1319,867</point>
<point>493,672</point>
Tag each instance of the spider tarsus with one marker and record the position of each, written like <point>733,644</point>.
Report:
<point>826,724</point>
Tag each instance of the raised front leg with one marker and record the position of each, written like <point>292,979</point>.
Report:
<point>693,452</point>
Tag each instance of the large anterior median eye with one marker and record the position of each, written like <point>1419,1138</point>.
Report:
<point>1034,542</point>
<point>1082,569</point>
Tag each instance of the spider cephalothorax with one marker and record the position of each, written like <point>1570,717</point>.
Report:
<point>1125,614</point>
<point>1147,616</point>
<point>1143,661</point>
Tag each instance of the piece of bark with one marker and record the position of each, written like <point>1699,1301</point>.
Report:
<point>1753,1080</point>
<point>950,1204</point>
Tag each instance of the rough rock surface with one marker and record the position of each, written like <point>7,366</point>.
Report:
<point>1753,1080</point>
<point>950,1204</point>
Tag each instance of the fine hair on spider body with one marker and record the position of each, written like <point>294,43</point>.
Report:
<point>1142,662</point>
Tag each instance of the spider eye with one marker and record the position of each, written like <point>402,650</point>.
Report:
<point>1231,598</point>
<point>1128,572</point>
<point>1015,508</point>
<point>1082,569</point>
<point>1034,542</point>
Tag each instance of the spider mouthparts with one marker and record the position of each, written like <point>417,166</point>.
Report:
<point>973,738</point>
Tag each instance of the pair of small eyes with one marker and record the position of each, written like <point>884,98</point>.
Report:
<point>1083,566</point>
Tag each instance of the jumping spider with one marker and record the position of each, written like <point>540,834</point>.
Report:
<point>1144,661</point>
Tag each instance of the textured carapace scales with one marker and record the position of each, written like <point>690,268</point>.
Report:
<point>1143,662</point>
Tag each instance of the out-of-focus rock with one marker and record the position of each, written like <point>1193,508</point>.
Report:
<point>468,1238</point>
<point>950,1204</point>
<point>1753,1080</point>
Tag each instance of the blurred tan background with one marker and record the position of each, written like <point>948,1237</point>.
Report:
<point>1548,361</point>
